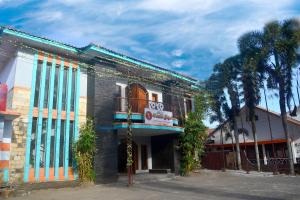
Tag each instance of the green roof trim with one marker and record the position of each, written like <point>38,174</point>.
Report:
<point>140,63</point>
<point>41,40</point>
<point>147,126</point>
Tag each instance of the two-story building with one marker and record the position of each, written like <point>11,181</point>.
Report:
<point>51,89</point>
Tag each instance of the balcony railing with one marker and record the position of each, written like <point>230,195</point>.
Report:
<point>139,105</point>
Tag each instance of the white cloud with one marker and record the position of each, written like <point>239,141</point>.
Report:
<point>12,3</point>
<point>178,63</point>
<point>185,26</point>
<point>177,52</point>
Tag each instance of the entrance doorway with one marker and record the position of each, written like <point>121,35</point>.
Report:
<point>122,157</point>
<point>144,157</point>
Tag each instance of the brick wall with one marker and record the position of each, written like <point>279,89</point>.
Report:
<point>19,100</point>
<point>101,94</point>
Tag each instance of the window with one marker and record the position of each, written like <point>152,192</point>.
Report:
<point>37,84</point>
<point>56,83</point>
<point>188,103</point>
<point>47,85</point>
<point>73,91</point>
<point>43,148</point>
<point>118,98</point>
<point>154,97</point>
<point>65,88</point>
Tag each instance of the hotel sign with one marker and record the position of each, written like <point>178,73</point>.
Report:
<point>155,115</point>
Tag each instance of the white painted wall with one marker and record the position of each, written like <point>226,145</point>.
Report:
<point>24,67</point>
<point>262,130</point>
<point>149,90</point>
<point>143,141</point>
<point>83,83</point>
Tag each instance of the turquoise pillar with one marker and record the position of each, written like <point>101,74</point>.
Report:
<point>76,113</point>
<point>40,120</point>
<point>58,120</point>
<point>49,120</point>
<point>5,175</point>
<point>76,110</point>
<point>29,127</point>
<point>67,132</point>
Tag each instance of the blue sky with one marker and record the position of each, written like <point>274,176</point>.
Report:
<point>188,36</point>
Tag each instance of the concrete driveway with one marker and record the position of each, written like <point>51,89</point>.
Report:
<point>208,185</point>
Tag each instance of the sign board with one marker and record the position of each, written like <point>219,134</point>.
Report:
<point>158,117</point>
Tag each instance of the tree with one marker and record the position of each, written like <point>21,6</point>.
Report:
<point>226,74</point>
<point>281,41</point>
<point>217,99</point>
<point>85,149</point>
<point>192,142</point>
<point>250,46</point>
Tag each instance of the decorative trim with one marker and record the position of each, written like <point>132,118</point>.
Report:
<point>63,114</point>
<point>38,39</point>
<point>275,141</point>
<point>148,126</point>
<point>29,127</point>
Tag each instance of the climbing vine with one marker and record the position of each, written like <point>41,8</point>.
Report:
<point>84,150</point>
<point>192,141</point>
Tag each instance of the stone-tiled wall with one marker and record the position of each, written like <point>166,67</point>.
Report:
<point>18,99</point>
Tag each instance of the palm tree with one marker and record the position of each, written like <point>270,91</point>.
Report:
<point>281,41</point>
<point>250,46</point>
<point>217,100</point>
<point>227,74</point>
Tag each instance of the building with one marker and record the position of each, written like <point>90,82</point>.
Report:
<point>266,140</point>
<point>51,89</point>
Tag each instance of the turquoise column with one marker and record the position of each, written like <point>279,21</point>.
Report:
<point>76,112</point>
<point>49,121</point>
<point>58,120</point>
<point>5,175</point>
<point>67,132</point>
<point>40,120</point>
<point>29,127</point>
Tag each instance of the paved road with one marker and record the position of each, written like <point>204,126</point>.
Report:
<point>208,185</point>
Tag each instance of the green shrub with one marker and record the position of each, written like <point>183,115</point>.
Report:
<point>84,150</point>
<point>192,141</point>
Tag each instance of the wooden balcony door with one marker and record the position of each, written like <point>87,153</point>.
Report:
<point>138,98</point>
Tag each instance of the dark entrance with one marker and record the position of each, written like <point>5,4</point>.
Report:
<point>122,156</point>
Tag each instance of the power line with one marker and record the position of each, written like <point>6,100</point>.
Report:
<point>90,69</point>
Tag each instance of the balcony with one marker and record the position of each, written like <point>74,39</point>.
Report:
<point>5,113</point>
<point>138,119</point>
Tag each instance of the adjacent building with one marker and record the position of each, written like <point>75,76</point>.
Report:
<point>50,88</point>
<point>270,138</point>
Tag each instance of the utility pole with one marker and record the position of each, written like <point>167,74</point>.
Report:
<point>129,137</point>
